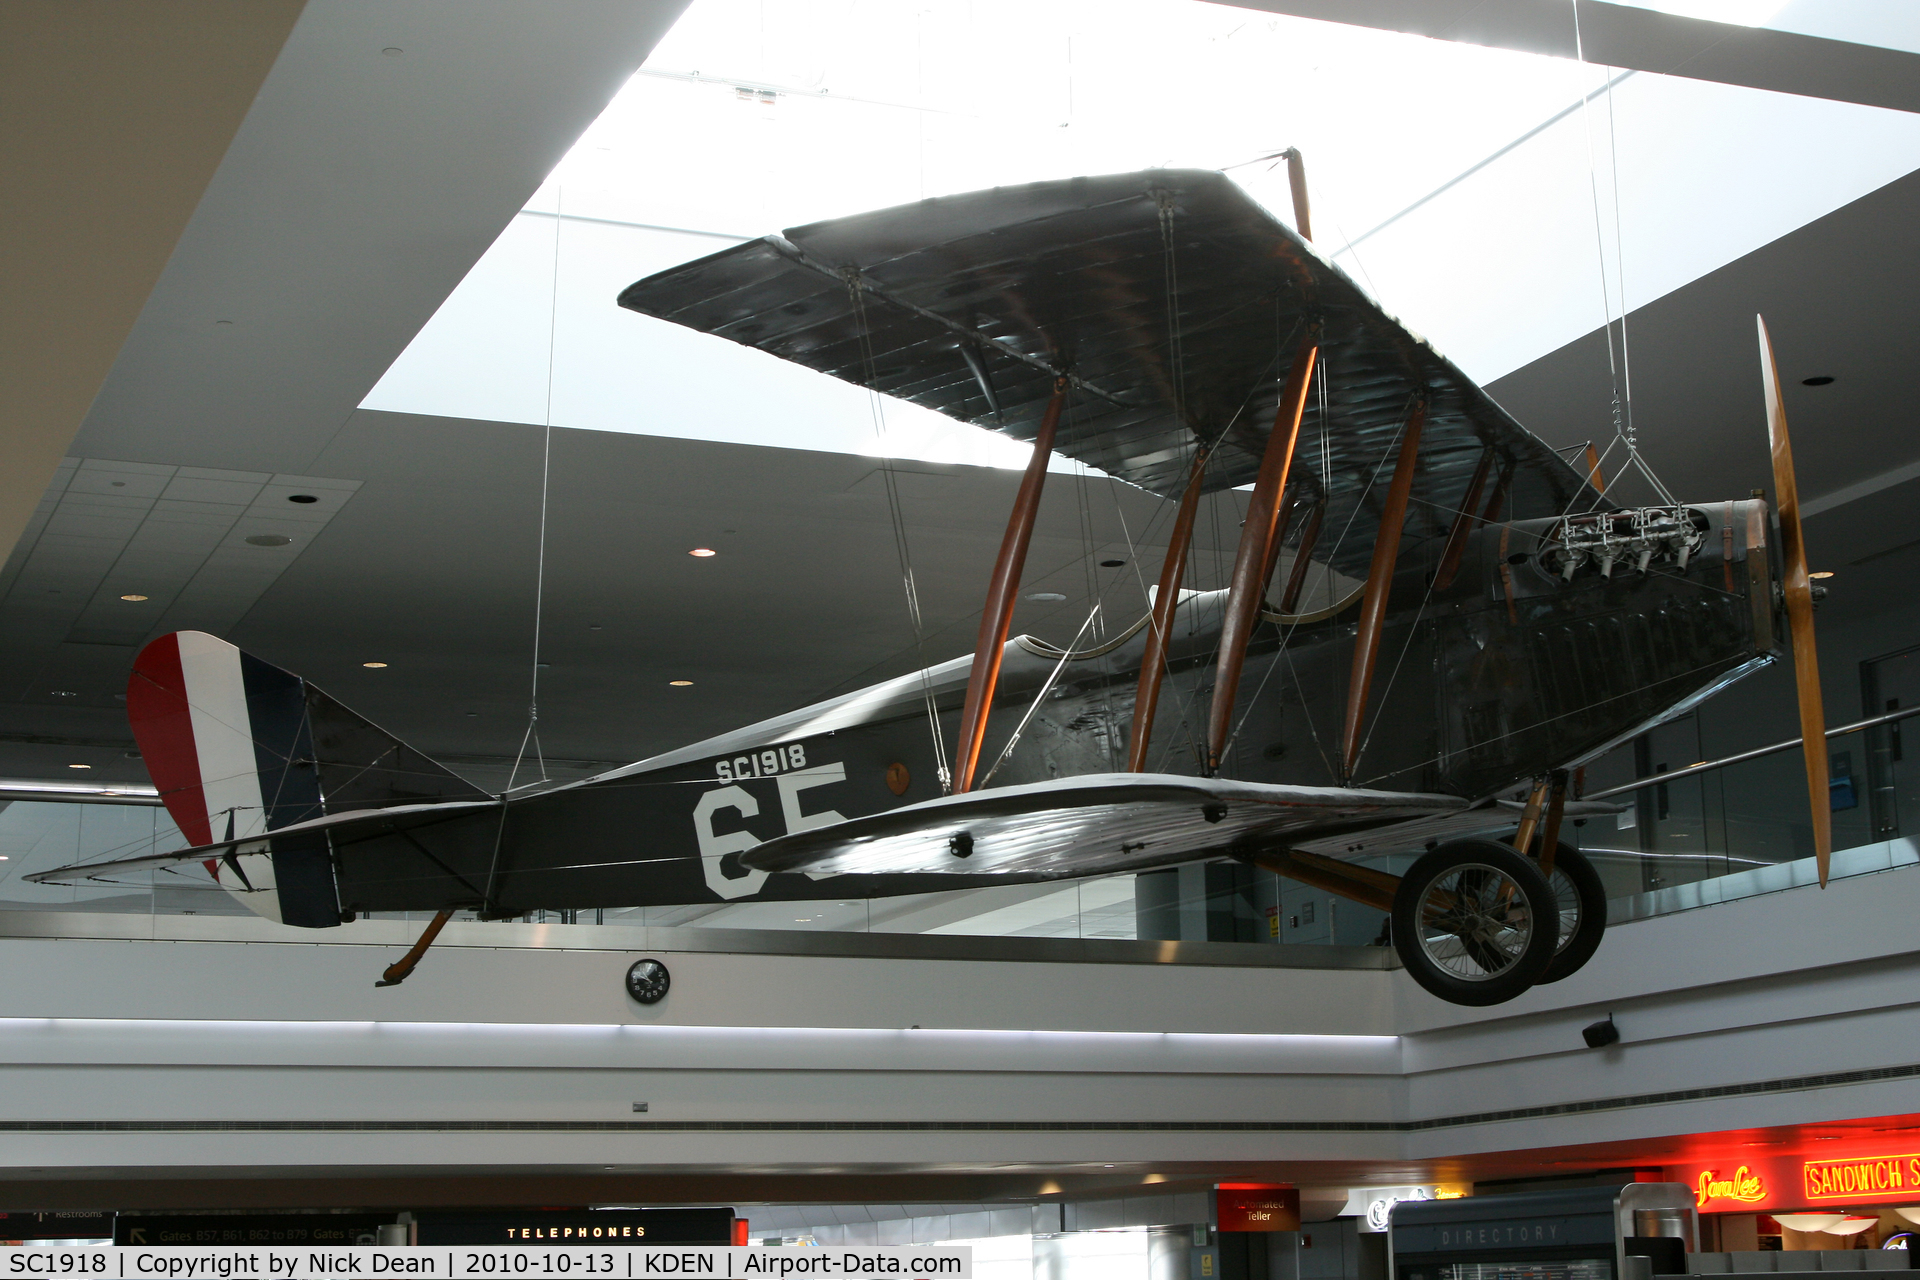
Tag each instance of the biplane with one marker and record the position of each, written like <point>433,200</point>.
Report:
<point>1433,620</point>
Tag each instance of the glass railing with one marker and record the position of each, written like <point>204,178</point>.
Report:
<point>1727,824</point>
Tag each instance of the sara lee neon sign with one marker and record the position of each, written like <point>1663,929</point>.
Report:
<point>1744,1185</point>
<point>1863,1176</point>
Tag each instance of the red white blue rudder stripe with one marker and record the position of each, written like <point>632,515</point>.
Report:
<point>226,739</point>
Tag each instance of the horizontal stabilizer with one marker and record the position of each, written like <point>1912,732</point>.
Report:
<point>358,818</point>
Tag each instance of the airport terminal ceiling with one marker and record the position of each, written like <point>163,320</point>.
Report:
<point>429,566</point>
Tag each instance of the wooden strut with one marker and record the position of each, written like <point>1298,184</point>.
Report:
<point>397,971</point>
<point>1303,557</point>
<point>1297,183</point>
<point>1002,588</point>
<point>1463,524</point>
<point>1530,818</point>
<point>1245,589</point>
<point>1373,605</point>
<point>1363,885</point>
<point>1550,825</point>
<point>1166,599</point>
<point>1274,543</point>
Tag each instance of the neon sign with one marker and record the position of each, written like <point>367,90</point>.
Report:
<point>1862,1176</point>
<point>1745,1186</point>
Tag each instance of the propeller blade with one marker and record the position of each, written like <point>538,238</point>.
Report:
<point>1799,601</point>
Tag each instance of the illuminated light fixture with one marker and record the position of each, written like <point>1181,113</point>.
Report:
<point>1852,1225</point>
<point>373,664</point>
<point>703,552</point>
<point>681,684</point>
<point>1910,1212</point>
<point>1809,1221</point>
<point>1824,573</point>
<point>1048,597</point>
<point>133,597</point>
<point>79,766</point>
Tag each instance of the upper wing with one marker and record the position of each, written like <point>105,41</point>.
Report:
<point>1087,825</point>
<point>1171,300</point>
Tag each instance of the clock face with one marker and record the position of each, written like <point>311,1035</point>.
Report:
<point>648,980</point>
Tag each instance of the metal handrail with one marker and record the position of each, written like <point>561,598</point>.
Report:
<point>1659,778</point>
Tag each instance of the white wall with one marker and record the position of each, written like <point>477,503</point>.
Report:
<point>170,1035</point>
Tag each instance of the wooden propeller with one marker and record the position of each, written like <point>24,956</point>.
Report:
<point>1799,602</point>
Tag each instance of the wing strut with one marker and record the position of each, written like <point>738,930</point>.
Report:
<point>1373,607</point>
<point>1002,588</point>
<point>1464,521</point>
<point>1263,513</point>
<point>1153,663</point>
<point>1303,557</point>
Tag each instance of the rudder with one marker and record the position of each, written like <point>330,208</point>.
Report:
<point>239,747</point>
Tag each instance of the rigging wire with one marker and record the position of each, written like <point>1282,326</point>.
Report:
<point>1040,698</point>
<point>903,550</point>
<point>1617,367</point>
<point>532,734</point>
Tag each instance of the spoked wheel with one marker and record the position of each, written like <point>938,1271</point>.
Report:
<point>1582,900</point>
<point>1475,922</point>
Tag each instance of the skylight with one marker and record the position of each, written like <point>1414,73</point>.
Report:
<point>1473,190</point>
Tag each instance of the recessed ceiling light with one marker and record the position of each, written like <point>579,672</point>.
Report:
<point>703,552</point>
<point>79,766</point>
<point>680,684</point>
<point>1824,573</point>
<point>268,539</point>
<point>393,51</point>
<point>1822,381</point>
<point>133,597</point>
<point>1111,564</point>
<point>1049,596</point>
<point>373,664</point>
<point>63,693</point>
<point>301,497</point>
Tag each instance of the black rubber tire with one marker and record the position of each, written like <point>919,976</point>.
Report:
<point>1513,973</point>
<point>1583,912</point>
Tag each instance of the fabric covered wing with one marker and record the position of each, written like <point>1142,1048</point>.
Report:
<point>1170,298</point>
<point>1087,825</point>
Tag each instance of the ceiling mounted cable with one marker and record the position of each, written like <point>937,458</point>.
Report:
<point>1619,367</point>
<point>903,550</point>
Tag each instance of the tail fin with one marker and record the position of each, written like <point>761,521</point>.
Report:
<point>238,747</point>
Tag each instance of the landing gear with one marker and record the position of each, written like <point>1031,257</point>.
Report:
<point>1476,923</point>
<point>1582,901</point>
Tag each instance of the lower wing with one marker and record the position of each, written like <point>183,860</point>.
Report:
<point>1092,824</point>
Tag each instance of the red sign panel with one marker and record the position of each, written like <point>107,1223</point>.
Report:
<point>1716,1191</point>
<point>1245,1207</point>
<point>1861,1178</point>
